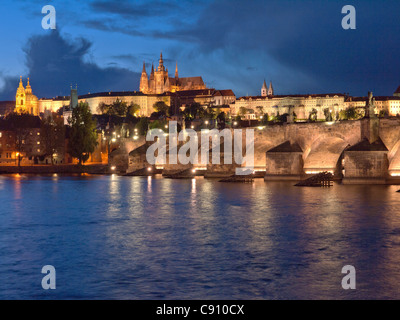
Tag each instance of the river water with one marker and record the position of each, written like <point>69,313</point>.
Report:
<point>112,237</point>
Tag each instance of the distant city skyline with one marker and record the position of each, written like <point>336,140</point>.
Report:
<point>298,45</point>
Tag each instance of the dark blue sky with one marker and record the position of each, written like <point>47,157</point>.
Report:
<point>299,45</point>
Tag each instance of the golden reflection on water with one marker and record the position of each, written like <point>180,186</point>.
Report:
<point>271,236</point>
<point>149,180</point>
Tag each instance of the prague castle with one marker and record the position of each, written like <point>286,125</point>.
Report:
<point>160,82</point>
<point>25,101</point>
<point>180,92</point>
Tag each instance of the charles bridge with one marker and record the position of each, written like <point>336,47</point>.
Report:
<point>359,151</point>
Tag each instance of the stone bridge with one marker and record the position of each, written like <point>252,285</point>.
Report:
<point>293,150</point>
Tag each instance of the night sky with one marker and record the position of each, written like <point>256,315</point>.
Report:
<point>299,45</point>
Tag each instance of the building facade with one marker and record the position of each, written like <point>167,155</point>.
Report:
<point>303,105</point>
<point>25,100</point>
<point>160,82</point>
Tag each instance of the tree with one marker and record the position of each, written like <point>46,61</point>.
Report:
<point>313,115</point>
<point>265,119</point>
<point>221,119</point>
<point>195,110</point>
<point>117,108</point>
<point>328,114</point>
<point>53,134</point>
<point>242,111</point>
<point>352,113</point>
<point>143,126</point>
<point>161,107</point>
<point>102,108</point>
<point>83,137</point>
<point>383,114</point>
<point>133,109</point>
<point>158,124</point>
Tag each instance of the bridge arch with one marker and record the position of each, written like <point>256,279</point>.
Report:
<point>324,154</point>
<point>394,159</point>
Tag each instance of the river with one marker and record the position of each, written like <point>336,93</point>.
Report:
<point>112,237</point>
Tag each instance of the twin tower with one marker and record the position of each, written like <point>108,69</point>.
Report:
<point>25,100</point>
<point>159,81</point>
<point>267,92</point>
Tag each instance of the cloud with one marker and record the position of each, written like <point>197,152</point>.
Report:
<point>302,38</point>
<point>134,9</point>
<point>55,62</point>
<point>109,25</point>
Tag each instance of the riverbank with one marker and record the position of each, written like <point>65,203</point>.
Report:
<point>59,169</point>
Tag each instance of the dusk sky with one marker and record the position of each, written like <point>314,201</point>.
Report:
<point>300,45</point>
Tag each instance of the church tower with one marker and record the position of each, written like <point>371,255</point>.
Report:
<point>20,98</point>
<point>270,90</point>
<point>31,102</point>
<point>25,101</point>
<point>264,90</point>
<point>161,63</point>
<point>176,71</point>
<point>144,80</point>
<point>161,77</point>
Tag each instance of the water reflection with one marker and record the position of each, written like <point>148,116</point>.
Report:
<point>152,238</point>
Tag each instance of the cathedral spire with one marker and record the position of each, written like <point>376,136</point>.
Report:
<point>161,63</point>
<point>21,85</point>
<point>176,70</point>
<point>264,89</point>
<point>28,88</point>
<point>144,67</point>
<point>270,89</point>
